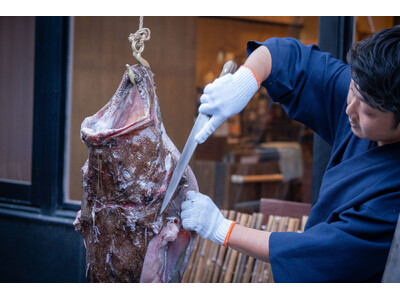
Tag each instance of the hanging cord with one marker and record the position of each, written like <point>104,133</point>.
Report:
<point>143,34</point>
<point>137,39</point>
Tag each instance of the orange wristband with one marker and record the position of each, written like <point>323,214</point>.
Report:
<point>228,234</point>
<point>255,76</point>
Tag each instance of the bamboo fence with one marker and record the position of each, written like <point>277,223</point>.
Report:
<point>213,263</point>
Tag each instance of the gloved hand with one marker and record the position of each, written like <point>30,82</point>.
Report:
<point>226,97</point>
<point>200,214</point>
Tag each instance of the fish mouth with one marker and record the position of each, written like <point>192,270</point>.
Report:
<point>127,110</point>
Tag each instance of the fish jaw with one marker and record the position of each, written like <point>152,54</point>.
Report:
<point>132,108</point>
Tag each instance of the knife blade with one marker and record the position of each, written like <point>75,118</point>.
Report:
<point>190,146</point>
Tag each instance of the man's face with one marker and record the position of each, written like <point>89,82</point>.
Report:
<point>368,122</point>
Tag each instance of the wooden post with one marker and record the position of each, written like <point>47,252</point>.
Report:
<point>239,179</point>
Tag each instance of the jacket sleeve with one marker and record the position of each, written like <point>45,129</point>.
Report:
<point>311,85</point>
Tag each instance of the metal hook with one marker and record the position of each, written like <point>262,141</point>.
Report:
<point>137,54</point>
<point>139,58</point>
<point>131,74</point>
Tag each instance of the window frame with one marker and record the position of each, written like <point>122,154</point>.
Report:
<point>46,192</point>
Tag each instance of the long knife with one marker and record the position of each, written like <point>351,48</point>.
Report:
<point>190,145</point>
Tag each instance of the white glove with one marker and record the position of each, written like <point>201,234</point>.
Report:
<point>200,214</point>
<point>226,97</point>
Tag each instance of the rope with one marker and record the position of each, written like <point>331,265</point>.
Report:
<point>143,34</point>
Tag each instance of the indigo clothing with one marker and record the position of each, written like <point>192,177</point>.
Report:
<point>350,229</point>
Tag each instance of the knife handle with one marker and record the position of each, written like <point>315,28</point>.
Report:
<point>229,67</point>
<point>201,121</point>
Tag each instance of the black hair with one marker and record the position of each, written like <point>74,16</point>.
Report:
<point>375,70</point>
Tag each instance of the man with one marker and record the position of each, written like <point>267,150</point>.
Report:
<point>356,109</point>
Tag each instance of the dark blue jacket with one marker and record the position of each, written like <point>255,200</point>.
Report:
<point>350,230</point>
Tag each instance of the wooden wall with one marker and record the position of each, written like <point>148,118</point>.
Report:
<point>100,52</point>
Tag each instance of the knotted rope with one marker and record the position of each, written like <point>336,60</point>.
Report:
<point>139,37</point>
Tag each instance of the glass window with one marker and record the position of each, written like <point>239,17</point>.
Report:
<point>17,40</point>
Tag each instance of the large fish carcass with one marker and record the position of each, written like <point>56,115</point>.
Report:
<point>131,160</point>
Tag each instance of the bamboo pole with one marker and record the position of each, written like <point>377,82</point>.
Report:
<point>211,262</point>
<point>270,276</point>
<point>296,225</point>
<point>200,242</point>
<point>200,262</point>
<point>228,254</point>
<point>242,258</point>
<point>233,259</point>
<point>201,268</point>
<point>283,224</point>
<point>276,225</point>
<point>265,269</point>
<point>256,271</point>
<point>195,263</point>
<point>292,225</point>
<point>304,220</point>
<point>258,266</point>
<point>212,258</point>
<point>189,268</point>
<point>266,275</point>
<point>254,263</point>
<point>221,253</point>
<point>250,262</point>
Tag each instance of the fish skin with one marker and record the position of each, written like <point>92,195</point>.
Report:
<point>130,163</point>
